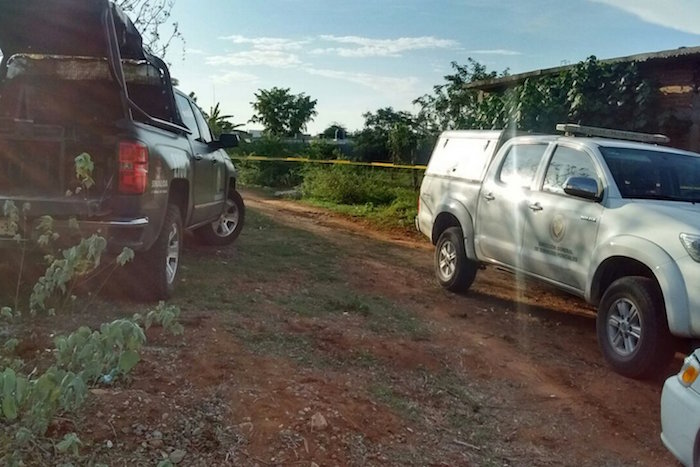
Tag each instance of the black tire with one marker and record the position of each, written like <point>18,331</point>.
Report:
<point>454,271</point>
<point>156,269</point>
<point>632,329</point>
<point>228,226</point>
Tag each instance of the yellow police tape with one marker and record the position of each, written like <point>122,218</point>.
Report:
<point>334,162</point>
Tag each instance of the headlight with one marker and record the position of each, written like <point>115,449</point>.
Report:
<point>692,245</point>
<point>690,371</point>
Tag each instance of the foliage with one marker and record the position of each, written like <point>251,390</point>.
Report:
<point>410,143</point>
<point>220,124</point>
<point>29,402</point>
<point>270,174</point>
<point>452,105</point>
<point>385,198</point>
<point>592,92</point>
<point>150,17</point>
<point>282,113</point>
<point>347,185</point>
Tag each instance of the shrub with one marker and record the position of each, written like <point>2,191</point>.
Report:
<point>348,185</point>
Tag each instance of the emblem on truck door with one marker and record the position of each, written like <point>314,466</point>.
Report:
<point>558,228</point>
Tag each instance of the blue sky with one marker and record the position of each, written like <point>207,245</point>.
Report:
<point>357,56</point>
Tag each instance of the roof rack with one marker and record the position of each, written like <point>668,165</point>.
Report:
<point>571,129</point>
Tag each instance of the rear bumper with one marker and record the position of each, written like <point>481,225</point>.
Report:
<point>119,233</point>
<point>680,419</point>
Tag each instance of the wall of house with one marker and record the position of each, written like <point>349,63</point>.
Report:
<point>679,85</point>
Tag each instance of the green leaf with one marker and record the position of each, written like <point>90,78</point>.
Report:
<point>9,404</point>
<point>128,360</point>
<point>125,256</point>
<point>6,312</point>
<point>23,436</point>
<point>11,345</point>
<point>70,442</point>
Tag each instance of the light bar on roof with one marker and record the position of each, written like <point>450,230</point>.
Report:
<point>571,129</point>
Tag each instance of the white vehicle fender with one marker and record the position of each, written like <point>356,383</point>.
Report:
<point>661,264</point>
<point>466,222</point>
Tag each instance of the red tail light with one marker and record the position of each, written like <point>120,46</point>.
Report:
<point>133,167</point>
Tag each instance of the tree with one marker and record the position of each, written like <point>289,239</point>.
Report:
<point>220,123</point>
<point>452,105</point>
<point>149,17</point>
<point>375,142</point>
<point>282,113</point>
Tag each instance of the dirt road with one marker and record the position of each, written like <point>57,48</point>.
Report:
<point>316,339</point>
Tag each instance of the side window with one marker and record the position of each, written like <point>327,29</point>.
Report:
<point>565,163</point>
<point>188,118</point>
<point>521,163</point>
<point>203,126</point>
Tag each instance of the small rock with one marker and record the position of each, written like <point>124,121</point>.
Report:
<point>318,422</point>
<point>110,445</point>
<point>314,464</point>
<point>177,455</point>
<point>157,435</point>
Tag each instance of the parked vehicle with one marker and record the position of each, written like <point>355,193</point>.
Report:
<point>607,215</point>
<point>83,83</point>
<point>680,412</point>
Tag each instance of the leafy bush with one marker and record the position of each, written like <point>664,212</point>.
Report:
<point>348,185</point>
<point>269,174</point>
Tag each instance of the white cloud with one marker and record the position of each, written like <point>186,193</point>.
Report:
<point>191,51</point>
<point>682,15</point>
<point>367,47</point>
<point>384,84</point>
<point>495,52</point>
<point>267,43</point>
<point>271,58</point>
<point>233,76</point>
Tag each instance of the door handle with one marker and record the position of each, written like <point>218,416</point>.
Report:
<point>535,207</point>
<point>489,196</point>
<point>198,157</point>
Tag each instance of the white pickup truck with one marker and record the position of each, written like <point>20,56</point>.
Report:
<point>607,215</point>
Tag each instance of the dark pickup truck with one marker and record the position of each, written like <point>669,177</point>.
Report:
<point>75,78</point>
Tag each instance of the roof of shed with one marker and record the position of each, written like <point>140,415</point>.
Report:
<point>511,80</point>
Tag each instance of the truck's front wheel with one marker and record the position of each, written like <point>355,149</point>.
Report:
<point>454,271</point>
<point>228,226</point>
<point>632,329</point>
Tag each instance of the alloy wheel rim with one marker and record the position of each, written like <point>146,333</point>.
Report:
<point>173,254</point>
<point>228,221</point>
<point>447,260</point>
<point>624,327</point>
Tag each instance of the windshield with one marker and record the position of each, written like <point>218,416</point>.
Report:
<point>645,174</point>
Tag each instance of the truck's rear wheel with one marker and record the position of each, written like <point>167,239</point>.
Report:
<point>454,271</point>
<point>157,268</point>
<point>228,226</point>
<point>632,329</point>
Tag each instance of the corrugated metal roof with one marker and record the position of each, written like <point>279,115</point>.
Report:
<point>507,81</point>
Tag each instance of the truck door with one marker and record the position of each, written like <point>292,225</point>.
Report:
<point>206,165</point>
<point>560,230</point>
<point>503,198</point>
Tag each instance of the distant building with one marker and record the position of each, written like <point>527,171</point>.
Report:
<point>677,74</point>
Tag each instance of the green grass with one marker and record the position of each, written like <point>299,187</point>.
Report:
<point>399,403</point>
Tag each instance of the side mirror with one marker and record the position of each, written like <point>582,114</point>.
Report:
<point>229,140</point>
<point>583,187</point>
